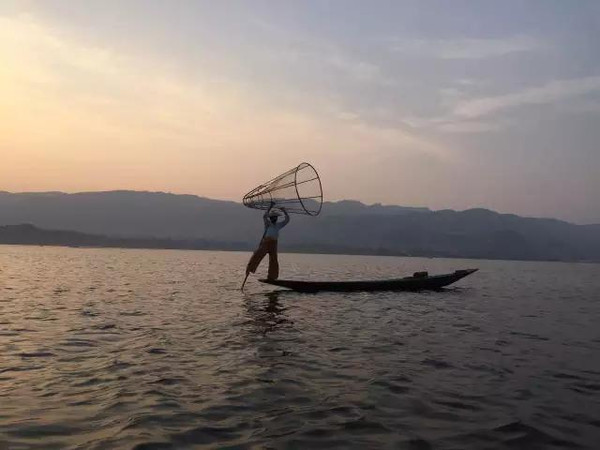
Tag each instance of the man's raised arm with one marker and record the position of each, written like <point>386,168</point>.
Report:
<point>266,215</point>
<point>286,220</point>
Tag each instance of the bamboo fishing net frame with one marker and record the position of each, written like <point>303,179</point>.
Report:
<point>299,191</point>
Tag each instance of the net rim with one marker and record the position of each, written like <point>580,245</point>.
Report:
<point>305,164</point>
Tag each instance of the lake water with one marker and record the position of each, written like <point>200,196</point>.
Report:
<point>110,348</point>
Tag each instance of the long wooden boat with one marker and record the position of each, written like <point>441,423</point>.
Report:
<point>419,281</point>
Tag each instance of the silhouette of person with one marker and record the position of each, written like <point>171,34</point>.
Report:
<point>268,244</point>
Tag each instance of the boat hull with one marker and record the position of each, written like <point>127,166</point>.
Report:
<point>414,283</point>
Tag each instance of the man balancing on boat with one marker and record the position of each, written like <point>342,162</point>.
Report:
<point>268,244</point>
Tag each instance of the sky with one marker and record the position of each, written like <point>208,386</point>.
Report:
<point>441,104</point>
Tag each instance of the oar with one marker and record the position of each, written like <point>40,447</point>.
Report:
<point>242,288</point>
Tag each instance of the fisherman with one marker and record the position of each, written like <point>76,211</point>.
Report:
<point>268,244</point>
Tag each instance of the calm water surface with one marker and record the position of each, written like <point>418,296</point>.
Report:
<point>109,348</point>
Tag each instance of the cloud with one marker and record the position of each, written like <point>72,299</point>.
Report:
<point>583,107</point>
<point>548,93</point>
<point>304,51</point>
<point>328,61</point>
<point>64,100</point>
<point>469,127</point>
<point>464,48</point>
<point>450,124</point>
<point>472,115</point>
<point>359,70</point>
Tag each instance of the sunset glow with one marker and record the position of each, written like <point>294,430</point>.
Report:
<point>211,100</point>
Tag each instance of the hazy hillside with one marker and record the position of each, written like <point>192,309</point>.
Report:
<point>27,234</point>
<point>128,213</point>
<point>346,226</point>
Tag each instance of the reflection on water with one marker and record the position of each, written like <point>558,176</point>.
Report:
<point>106,349</point>
<point>266,311</point>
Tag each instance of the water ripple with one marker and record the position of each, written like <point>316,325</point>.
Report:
<point>106,349</point>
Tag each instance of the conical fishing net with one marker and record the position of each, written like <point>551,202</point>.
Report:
<point>298,190</point>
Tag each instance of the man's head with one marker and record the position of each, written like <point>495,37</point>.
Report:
<point>273,217</point>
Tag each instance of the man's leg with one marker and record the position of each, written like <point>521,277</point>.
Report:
<point>257,257</point>
<point>273,262</point>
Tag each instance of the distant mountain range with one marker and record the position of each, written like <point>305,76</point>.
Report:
<point>161,220</point>
<point>27,234</point>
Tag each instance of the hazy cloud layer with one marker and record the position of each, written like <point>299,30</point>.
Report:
<point>551,92</point>
<point>438,104</point>
<point>464,48</point>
